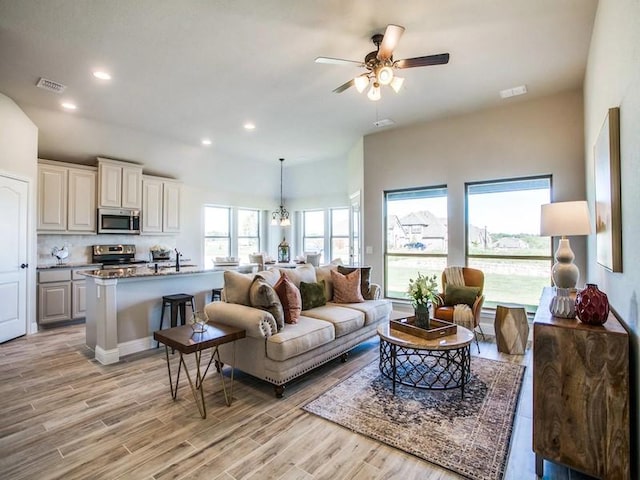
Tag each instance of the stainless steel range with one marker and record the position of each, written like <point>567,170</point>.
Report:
<point>116,256</point>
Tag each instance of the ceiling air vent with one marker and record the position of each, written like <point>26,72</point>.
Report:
<point>50,85</point>
<point>385,122</point>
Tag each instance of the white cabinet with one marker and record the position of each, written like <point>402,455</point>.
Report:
<point>120,184</point>
<point>66,198</point>
<point>61,295</point>
<point>160,205</point>
<point>52,197</point>
<point>82,201</point>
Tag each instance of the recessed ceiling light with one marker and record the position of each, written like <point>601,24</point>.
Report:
<point>249,126</point>
<point>101,75</point>
<point>206,142</point>
<point>68,105</point>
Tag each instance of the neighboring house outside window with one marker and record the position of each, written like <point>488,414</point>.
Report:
<point>417,236</point>
<point>503,225</point>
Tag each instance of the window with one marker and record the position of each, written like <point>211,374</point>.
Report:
<point>503,225</point>
<point>417,236</point>
<point>217,238</point>
<point>340,234</point>
<point>248,233</point>
<point>313,232</point>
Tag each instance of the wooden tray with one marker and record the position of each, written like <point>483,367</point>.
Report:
<point>438,328</point>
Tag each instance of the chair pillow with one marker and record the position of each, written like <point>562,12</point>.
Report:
<point>289,296</point>
<point>346,288</point>
<point>455,295</point>
<point>263,296</point>
<point>365,277</point>
<point>312,295</point>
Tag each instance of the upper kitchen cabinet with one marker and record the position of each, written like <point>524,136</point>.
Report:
<point>160,205</point>
<point>66,198</point>
<point>120,184</point>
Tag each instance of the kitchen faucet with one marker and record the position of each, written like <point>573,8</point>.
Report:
<point>178,254</point>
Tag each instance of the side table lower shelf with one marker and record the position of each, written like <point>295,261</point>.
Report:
<point>186,341</point>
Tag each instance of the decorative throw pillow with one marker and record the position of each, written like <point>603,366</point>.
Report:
<point>346,288</point>
<point>290,298</point>
<point>455,295</point>
<point>236,287</point>
<point>324,273</point>
<point>263,296</point>
<point>312,295</point>
<point>365,277</point>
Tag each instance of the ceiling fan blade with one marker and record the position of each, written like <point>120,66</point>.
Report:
<point>440,59</point>
<point>338,61</point>
<point>344,86</point>
<point>390,41</point>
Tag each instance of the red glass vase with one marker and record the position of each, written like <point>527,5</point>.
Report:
<point>592,305</point>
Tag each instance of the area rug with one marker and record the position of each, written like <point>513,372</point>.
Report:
<point>468,436</point>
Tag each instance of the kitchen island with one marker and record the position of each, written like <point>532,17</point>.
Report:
<point>124,304</point>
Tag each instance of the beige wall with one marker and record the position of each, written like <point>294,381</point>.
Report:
<point>613,79</point>
<point>523,138</point>
<point>18,159</point>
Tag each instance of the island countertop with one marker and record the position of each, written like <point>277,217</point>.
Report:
<point>164,271</point>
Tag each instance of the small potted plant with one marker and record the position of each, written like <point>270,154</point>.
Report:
<point>423,292</point>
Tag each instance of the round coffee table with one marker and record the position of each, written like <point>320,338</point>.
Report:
<point>438,364</point>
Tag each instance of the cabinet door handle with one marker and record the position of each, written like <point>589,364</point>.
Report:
<point>24,265</point>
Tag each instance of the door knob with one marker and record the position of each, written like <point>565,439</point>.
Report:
<point>24,265</point>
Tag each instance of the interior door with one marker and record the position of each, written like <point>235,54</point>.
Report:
<point>354,232</point>
<point>13,258</point>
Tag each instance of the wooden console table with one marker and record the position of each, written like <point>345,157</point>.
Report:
<point>580,394</point>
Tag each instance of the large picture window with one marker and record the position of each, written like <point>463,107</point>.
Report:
<point>340,234</point>
<point>248,233</point>
<point>313,232</point>
<point>217,233</point>
<point>417,236</point>
<point>503,225</point>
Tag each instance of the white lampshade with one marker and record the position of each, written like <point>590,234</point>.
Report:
<point>374,93</point>
<point>565,219</point>
<point>361,83</point>
<point>385,75</point>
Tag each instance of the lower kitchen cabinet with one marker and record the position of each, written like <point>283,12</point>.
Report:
<point>61,295</point>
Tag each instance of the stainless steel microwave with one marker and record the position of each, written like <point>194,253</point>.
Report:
<point>118,220</point>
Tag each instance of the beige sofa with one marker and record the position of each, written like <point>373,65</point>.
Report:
<point>321,334</point>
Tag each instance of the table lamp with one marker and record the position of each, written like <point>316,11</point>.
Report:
<point>565,219</point>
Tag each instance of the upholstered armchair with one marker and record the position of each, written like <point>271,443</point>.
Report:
<point>445,310</point>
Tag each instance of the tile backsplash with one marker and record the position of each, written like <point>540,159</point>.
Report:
<point>79,246</point>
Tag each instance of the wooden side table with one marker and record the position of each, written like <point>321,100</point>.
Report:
<point>186,341</point>
<point>512,329</point>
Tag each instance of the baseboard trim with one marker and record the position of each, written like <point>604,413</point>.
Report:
<point>135,346</point>
<point>107,357</point>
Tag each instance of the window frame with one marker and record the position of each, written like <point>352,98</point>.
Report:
<point>237,211</point>
<point>233,228</point>
<point>333,236</point>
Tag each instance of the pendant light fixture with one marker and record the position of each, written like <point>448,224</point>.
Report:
<point>281,215</point>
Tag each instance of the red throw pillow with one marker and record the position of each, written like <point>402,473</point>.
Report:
<point>289,296</point>
<point>346,288</point>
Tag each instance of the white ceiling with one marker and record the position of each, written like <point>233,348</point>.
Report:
<point>189,69</point>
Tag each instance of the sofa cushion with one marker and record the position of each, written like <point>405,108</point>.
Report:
<point>324,273</point>
<point>271,276</point>
<point>374,310</point>
<point>263,296</point>
<point>302,337</point>
<point>290,298</point>
<point>346,288</point>
<point>236,287</point>
<point>312,295</point>
<point>344,320</point>
<point>302,273</point>
<point>365,277</point>
<point>456,295</point>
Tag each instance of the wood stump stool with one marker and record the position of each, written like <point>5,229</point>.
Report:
<point>512,329</point>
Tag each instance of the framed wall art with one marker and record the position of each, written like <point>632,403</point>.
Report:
<point>607,190</point>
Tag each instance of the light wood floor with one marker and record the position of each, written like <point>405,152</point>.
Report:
<point>63,415</point>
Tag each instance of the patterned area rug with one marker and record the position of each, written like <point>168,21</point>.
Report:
<point>470,436</point>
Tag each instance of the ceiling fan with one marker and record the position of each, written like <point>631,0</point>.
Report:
<point>381,66</point>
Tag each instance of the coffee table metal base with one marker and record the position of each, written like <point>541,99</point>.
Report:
<point>429,369</point>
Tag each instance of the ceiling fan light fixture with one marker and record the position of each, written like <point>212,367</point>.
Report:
<point>396,83</point>
<point>384,75</point>
<point>374,93</point>
<point>361,82</point>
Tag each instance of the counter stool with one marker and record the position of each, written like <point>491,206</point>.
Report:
<point>216,294</point>
<point>178,303</point>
